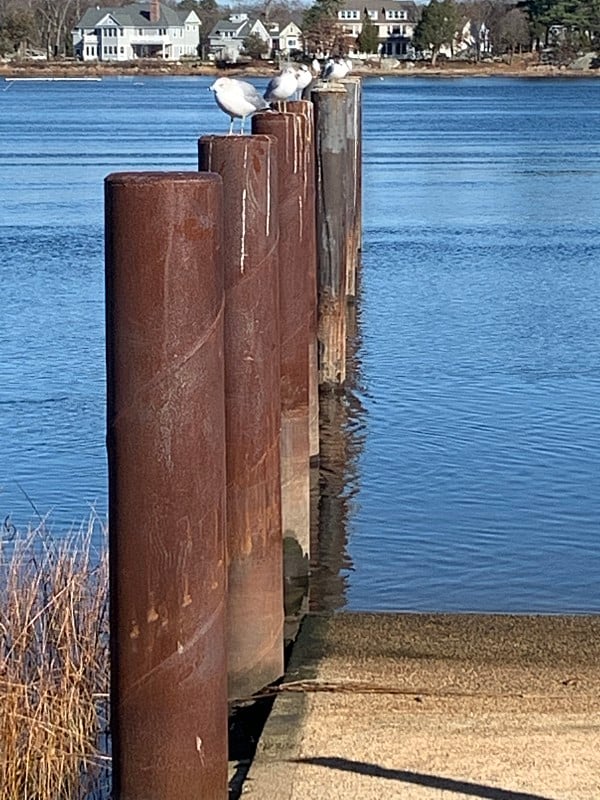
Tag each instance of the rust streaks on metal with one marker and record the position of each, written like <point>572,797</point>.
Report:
<point>165,436</point>
<point>252,403</point>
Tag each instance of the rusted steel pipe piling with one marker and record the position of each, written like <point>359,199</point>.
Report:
<point>248,167</point>
<point>331,190</point>
<point>354,187</point>
<point>309,245</point>
<point>293,139</point>
<point>166,468</point>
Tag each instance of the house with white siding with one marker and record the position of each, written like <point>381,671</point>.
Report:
<point>138,30</point>
<point>226,39</point>
<point>286,39</point>
<point>395,21</point>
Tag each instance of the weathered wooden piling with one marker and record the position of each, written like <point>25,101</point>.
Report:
<point>293,139</point>
<point>252,407</point>
<point>331,189</point>
<point>166,468</point>
<point>354,186</point>
<point>305,109</point>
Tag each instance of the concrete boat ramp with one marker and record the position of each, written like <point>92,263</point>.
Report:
<point>424,707</point>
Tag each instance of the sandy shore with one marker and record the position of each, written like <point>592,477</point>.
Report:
<point>518,69</point>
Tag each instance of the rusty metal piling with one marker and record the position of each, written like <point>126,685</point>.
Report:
<point>354,187</point>
<point>331,190</point>
<point>166,459</point>
<point>252,407</point>
<point>309,247</point>
<point>292,133</point>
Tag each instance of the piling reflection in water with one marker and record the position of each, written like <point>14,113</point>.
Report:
<point>335,483</point>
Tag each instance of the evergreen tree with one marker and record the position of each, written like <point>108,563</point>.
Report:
<point>367,40</point>
<point>15,29</point>
<point>438,26</point>
<point>580,18</point>
<point>319,27</point>
<point>254,46</point>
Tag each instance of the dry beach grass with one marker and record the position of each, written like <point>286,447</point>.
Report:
<point>53,663</point>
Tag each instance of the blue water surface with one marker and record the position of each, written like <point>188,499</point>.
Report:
<point>477,484</point>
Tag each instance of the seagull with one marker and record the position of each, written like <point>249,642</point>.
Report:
<point>238,99</point>
<point>304,78</point>
<point>335,69</point>
<point>315,66</point>
<point>282,86</point>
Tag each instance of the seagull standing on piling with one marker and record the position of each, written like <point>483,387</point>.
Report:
<point>237,98</point>
<point>335,69</point>
<point>304,78</point>
<point>282,86</point>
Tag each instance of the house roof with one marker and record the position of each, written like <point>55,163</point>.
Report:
<point>290,29</point>
<point>240,29</point>
<point>135,15</point>
<point>381,6</point>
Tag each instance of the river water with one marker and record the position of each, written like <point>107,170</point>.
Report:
<point>466,474</point>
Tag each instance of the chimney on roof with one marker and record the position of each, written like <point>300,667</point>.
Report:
<point>154,11</point>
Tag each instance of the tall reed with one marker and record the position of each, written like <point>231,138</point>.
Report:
<point>53,664</point>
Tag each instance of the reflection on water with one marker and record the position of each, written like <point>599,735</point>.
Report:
<point>335,490</point>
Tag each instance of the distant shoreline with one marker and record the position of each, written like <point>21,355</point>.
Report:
<point>519,69</point>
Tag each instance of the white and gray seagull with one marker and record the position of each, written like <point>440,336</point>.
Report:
<point>282,86</point>
<point>335,69</point>
<point>304,78</point>
<point>237,98</point>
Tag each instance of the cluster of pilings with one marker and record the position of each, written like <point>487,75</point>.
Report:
<point>226,293</point>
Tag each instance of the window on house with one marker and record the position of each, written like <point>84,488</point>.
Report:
<point>372,14</point>
<point>348,14</point>
<point>122,49</point>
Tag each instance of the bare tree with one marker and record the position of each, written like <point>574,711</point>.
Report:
<point>514,31</point>
<point>56,20</point>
